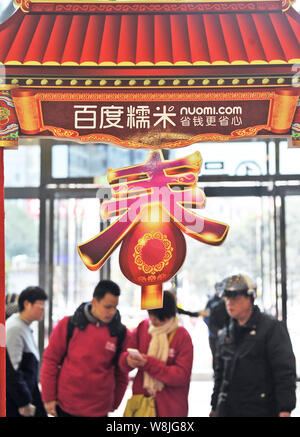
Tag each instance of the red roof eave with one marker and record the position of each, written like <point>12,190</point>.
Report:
<point>164,39</point>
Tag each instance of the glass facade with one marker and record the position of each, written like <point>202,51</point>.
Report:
<point>75,220</point>
<point>21,243</point>
<point>91,160</point>
<point>22,167</point>
<point>52,204</point>
<point>231,159</point>
<point>289,159</point>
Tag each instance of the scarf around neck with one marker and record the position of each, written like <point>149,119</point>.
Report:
<point>159,349</point>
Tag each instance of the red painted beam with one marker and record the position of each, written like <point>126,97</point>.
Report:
<point>2,293</point>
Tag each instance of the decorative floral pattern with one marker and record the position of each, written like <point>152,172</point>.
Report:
<point>142,243</point>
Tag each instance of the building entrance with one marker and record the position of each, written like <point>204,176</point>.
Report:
<point>53,204</point>
<point>249,248</point>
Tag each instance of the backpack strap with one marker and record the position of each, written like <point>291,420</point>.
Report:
<point>70,330</point>
<point>120,339</point>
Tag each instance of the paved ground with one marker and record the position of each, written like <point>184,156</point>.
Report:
<point>199,398</point>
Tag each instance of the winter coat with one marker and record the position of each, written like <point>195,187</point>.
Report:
<point>22,368</point>
<point>84,380</point>
<point>255,366</point>
<point>172,401</point>
<point>218,317</point>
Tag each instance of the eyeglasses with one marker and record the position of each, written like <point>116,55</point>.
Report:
<point>40,304</point>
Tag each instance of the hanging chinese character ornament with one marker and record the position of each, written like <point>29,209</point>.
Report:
<point>152,253</point>
<point>152,204</point>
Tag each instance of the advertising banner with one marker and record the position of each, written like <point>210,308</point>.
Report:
<point>153,119</point>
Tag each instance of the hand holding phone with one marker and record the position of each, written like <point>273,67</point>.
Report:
<point>134,353</point>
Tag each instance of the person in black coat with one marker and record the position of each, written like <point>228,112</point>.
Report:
<point>215,319</point>
<point>255,374</point>
<point>23,397</point>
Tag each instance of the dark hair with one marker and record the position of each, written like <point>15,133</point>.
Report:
<point>106,286</point>
<point>31,294</point>
<point>219,286</point>
<point>169,308</point>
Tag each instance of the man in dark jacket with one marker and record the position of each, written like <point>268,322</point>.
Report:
<point>255,373</point>
<point>23,397</point>
<point>216,318</point>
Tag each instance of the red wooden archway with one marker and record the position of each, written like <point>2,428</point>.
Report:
<point>61,51</point>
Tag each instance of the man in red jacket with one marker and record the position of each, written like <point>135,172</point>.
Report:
<point>80,378</point>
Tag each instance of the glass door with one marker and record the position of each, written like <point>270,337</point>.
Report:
<point>292,236</point>
<point>248,248</point>
<point>75,220</point>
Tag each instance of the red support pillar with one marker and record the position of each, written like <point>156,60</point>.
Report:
<point>2,293</point>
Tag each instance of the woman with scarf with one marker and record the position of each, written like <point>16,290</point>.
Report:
<point>165,364</point>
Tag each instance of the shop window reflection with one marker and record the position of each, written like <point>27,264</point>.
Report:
<point>249,248</point>
<point>22,166</point>
<point>75,220</point>
<point>21,244</point>
<point>289,159</point>
<point>91,160</point>
<point>231,159</point>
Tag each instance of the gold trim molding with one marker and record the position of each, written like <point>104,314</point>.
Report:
<point>48,82</point>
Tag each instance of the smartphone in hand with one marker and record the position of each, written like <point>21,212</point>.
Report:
<point>134,353</point>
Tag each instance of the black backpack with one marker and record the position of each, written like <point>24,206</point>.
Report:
<point>120,338</point>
